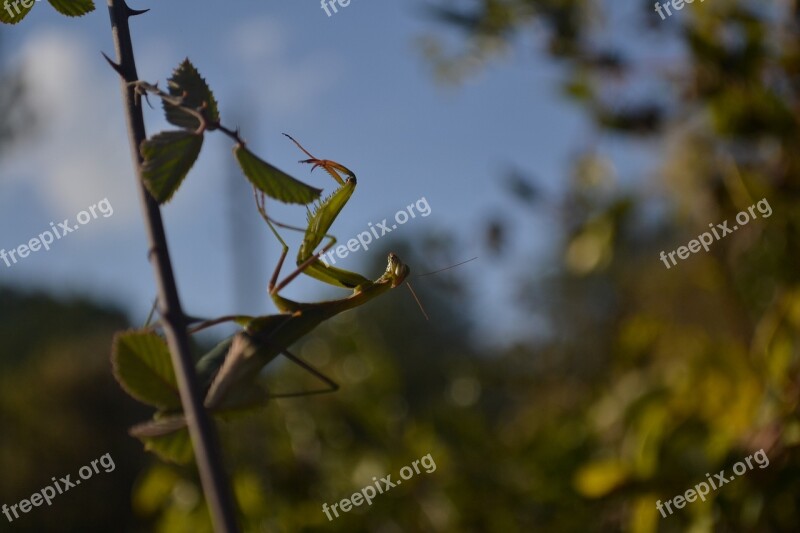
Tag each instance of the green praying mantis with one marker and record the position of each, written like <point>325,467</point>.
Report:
<point>228,373</point>
<point>266,337</point>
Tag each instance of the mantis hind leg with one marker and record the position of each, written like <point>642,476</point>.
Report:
<point>252,395</point>
<point>170,424</point>
<point>332,386</point>
<point>234,365</point>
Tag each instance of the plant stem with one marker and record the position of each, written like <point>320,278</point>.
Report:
<point>204,439</point>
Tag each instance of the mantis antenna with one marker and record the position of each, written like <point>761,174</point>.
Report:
<point>414,294</point>
<point>446,268</point>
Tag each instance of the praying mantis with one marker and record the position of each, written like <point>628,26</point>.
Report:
<point>228,372</point>
<point>264,338</point>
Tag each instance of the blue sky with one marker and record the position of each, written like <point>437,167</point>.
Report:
<point>352,87</point>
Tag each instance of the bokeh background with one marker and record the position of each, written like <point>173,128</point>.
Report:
<point>566,380</point>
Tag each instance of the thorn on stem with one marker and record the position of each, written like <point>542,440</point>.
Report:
<point>130,12</point>
<point>147,99</point>
<point>116,66</point>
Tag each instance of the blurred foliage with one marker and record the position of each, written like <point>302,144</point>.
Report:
<point>66,322</point>
<point>672,373</point>
<point>647,379</point>
<point>60,409</point>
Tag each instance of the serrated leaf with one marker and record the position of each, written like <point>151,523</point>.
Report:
<point>273,182</point>
<point>186,79</point>
<point>168,157</point>
<point>9,15</point>
<point>142,365</point>
<point>166,437</point>
<point>73,8</point>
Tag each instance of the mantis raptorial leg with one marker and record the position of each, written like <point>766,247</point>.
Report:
<point>320,220</point>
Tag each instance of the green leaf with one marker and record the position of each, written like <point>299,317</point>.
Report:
<point>73,8</point>
<point>186,79</point>
<point>142,365</point>
<point>274,182</point>
<point>167,437</point>
<point>9,15</point>
<point>168,157</point>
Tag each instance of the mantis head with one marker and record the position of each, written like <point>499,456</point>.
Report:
<point>396,270</point>
<point>396,273</point>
